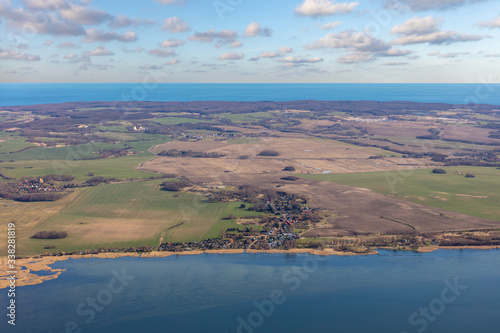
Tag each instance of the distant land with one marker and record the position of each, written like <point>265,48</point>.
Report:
<point>206,107</point>
<point>337,176</point>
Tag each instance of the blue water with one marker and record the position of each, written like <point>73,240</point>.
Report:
<point>233,293</point>
<point>41,93</point>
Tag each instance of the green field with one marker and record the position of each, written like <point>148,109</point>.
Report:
<point>130,214</point>
<point>59,153</point>
<point>42,161</point>
<point>478,196</point>
<point>207,222</point>
<point>12,145</point>
<point>123,168</point>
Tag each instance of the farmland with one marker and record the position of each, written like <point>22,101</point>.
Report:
<point>124,167</point>
<point>358,169</point>
<point>452,191</point>
<point>306,155</point>
<point>123,215</point>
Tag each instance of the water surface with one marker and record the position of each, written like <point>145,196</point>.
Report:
<point>233,293</point>
<point>41,93</point>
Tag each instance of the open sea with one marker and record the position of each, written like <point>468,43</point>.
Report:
<point>444,291</point>
<point>41,93</point>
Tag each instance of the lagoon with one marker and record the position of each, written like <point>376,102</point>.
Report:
<point>443,291</point>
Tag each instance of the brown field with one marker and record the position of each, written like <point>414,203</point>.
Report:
<point>314,156</point>
<point>359,211</point>
<point>402,129</point>
<point>353,210</point>
<point>468,133</point>
<point>410,130</point>
<point>311,124</point>
<point>33,213</point>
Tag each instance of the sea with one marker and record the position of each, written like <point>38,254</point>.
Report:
<point>42,93</point>
<point>393,292</point>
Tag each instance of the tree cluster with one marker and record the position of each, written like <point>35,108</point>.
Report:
<point>190,153</point>
<point>269,153</point>
<point>50,235</point>
<point>174,186</point>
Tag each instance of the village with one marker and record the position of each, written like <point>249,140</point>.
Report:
<point>279,231</point>
<point>32,189</point>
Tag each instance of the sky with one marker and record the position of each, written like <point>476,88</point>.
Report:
<point>250,41</point>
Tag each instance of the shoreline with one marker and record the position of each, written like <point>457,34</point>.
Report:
<point>26,266</point>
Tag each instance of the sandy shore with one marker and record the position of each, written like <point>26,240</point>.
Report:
<point>27,267</point>
<point>486,247</point>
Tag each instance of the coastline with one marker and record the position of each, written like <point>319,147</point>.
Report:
<point>26,267</point>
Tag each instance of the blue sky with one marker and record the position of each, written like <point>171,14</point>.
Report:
<point>250,41</point>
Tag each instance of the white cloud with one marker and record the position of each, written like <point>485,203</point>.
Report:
<point>423,5</point>
<point>163,53</point>
<point>356,57</point>
<point>45,4</point>
<point>84,15</point>
<point>270,54</point>
<point>300,60</point>
<point>255,29</point>
<point>490,24</point>
<point>122,21</point>
<point>6,54</point>
<point>427,30</point>
<point>42,22</point>
<point>236,44</point>
<point>172,42</point>
<point>136,50</point>
<point>350,40</point>
<point>331,25</point>
<point>99,51</point>
<point>273,54</point>
<point>316,8</point>
<point>231,56</point>
<point>71,56</point>
<point>173,62</point>
<point>394,52</point>
<point>209,36</point>
<point>94,35</point>
<point>175,25</point>
<point>285,49</point>
<point>222,38</point>
<point>362,47</point>
<point>417,25</point>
